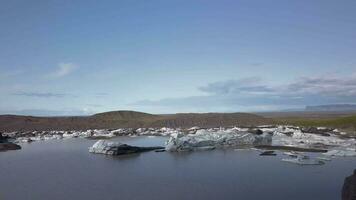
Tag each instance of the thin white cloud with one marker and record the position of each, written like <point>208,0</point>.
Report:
<point>251,85</point>
<point>9,74</point>
<point>41,94</point>
<point>63,69</point>
<point>333,86</point>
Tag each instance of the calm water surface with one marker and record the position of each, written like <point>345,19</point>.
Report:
<point>64,169</point>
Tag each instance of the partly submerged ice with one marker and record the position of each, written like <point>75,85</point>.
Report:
<point>341,153</point>
<point>104,147</point>
<point>303,160</point>
<point>205,139</point>
<point>117,148</point>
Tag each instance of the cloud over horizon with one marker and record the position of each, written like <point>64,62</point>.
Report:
<point>48,112</point>
<point>333,86</point>
<point>253,93</point>
<point>250,85</point>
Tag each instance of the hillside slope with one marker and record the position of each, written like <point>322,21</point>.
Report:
<point>128,119</point>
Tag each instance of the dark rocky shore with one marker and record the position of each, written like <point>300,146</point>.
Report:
<point>349,188</point>
<point>5,145</point>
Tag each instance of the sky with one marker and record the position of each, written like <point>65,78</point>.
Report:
<point>169,56</point>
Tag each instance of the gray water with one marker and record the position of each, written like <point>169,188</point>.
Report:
<point>64,169</point>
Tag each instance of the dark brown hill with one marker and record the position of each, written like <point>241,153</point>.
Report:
<point>128,119</point>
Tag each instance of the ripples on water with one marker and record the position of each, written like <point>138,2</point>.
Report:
<point>64,169</point>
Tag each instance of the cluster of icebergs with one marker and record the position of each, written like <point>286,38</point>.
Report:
<point>293,136</point>
<point>195,138</point>
<point>23,137</point>
<point>302,159</point>
<point>282,136</point>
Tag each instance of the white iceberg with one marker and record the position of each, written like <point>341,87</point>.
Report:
<point>303,160</point>
<point>117,148</point>
<point>194,128</point>
<point>102,133</point>
<point>104,147</point>
<point>341,153</point>
<point>70,135</point>
<point>323,158</point>
<point>204,139</point>
<point>23,140</point>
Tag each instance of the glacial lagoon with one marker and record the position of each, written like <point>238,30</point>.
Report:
<point>64,169</point>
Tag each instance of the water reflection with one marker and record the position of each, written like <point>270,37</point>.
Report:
<point>349,187</point>
<point>125,157</point>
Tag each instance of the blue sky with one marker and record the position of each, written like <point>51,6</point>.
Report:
<point>82,57</point>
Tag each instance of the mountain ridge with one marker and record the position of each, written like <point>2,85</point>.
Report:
<point>128,119</point>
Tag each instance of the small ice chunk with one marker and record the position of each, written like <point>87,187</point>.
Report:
<point>303,160</point>
<point>341,153</point>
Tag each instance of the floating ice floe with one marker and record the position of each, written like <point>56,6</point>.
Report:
<point>323,158</point>
<point>204,139</point>
<point>70,135</point>
<point>23,140</point>
<point>304,160</point>
<point>291,154</point>
<point>239,129</point>
<point>194,128</point>
<point>104,147</point>
<point>117,148</point>
<point>102,133</point>
<point>341,153</point>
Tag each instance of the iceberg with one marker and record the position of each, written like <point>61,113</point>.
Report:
<point>102,133</point>
<point>341,153</point>
<point>23,140</point>
<point>70,135</point>
<point>323,158</point>
<point>204,139</point>
<point>117,148</point>
<point>303,160</point>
